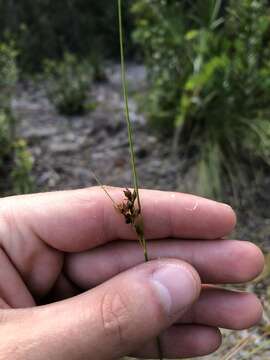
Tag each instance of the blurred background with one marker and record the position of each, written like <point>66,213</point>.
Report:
<point>199,82</point>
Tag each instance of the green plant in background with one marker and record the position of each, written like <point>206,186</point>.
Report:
<point>8,74</point>
<point>209,71</point>
<point>68,84</point>
<point>22,180</point>
<point>46,29</point>
<point>160,33</point>
<point>6,136</point>
<point>15,161</point>
<point>98,67</point>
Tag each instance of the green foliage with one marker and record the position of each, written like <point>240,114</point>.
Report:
<point>98,67</point>
<point>21,179</point>
<point>8,73</point>
<point>68,84</point>
<point>46,29</point>
<point>15,161</point>
<point>6,126</point>
<point>160,32</point>
<point>209,72</point>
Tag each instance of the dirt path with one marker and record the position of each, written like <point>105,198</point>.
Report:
<point>66,149</point>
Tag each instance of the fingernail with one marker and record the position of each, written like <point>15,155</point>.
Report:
<point>176,286</point>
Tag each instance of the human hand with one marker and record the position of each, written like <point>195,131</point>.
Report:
<point>72,254</point>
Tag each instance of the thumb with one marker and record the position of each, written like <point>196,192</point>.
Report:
<point>112,320</point>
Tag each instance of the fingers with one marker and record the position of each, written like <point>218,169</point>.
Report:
<point>3,304</point>
<point>223,261</point>
<point>79,220</point>
<point>110,321</point>
<point>13,292</point>
<point>183,342</point>
<point>62,289</point>
<point>224,309</point>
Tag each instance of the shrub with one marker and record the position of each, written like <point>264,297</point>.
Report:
<point>6,125</point>
<point>8,74</point>
<point>22,180</point>
<point>160,29</point>
<point>209,71</point>
<point>46,29</point>
<point>15,161</point>
<point>68,84</point>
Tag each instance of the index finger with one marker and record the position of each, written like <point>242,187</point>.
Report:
<point>79,220</point>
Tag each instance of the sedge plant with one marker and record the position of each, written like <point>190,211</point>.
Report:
<point>130,207</point>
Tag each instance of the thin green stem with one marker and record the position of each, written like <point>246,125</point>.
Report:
<point>127,116</point>
<point>103,188</point>
<point>142,239</point>
<point>128,122</point>
<point>125,93</point>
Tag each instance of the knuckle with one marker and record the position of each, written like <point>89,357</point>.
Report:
<point>7,219</point>
<point>116,317</point>
<point>11,228</point>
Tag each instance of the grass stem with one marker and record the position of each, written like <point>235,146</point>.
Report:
<point>141,236</point>
<point>128,122</point>
<point>125,93</point>
<point>104,188</point>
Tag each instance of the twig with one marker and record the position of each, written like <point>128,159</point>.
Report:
<point>240,345</point>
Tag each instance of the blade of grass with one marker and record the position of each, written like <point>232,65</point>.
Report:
<point>128,122</point>
<point>103,188</point>
<point>139,228</point>
<point>125,93</point>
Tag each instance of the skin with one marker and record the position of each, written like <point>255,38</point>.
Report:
<point>73,283</point>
